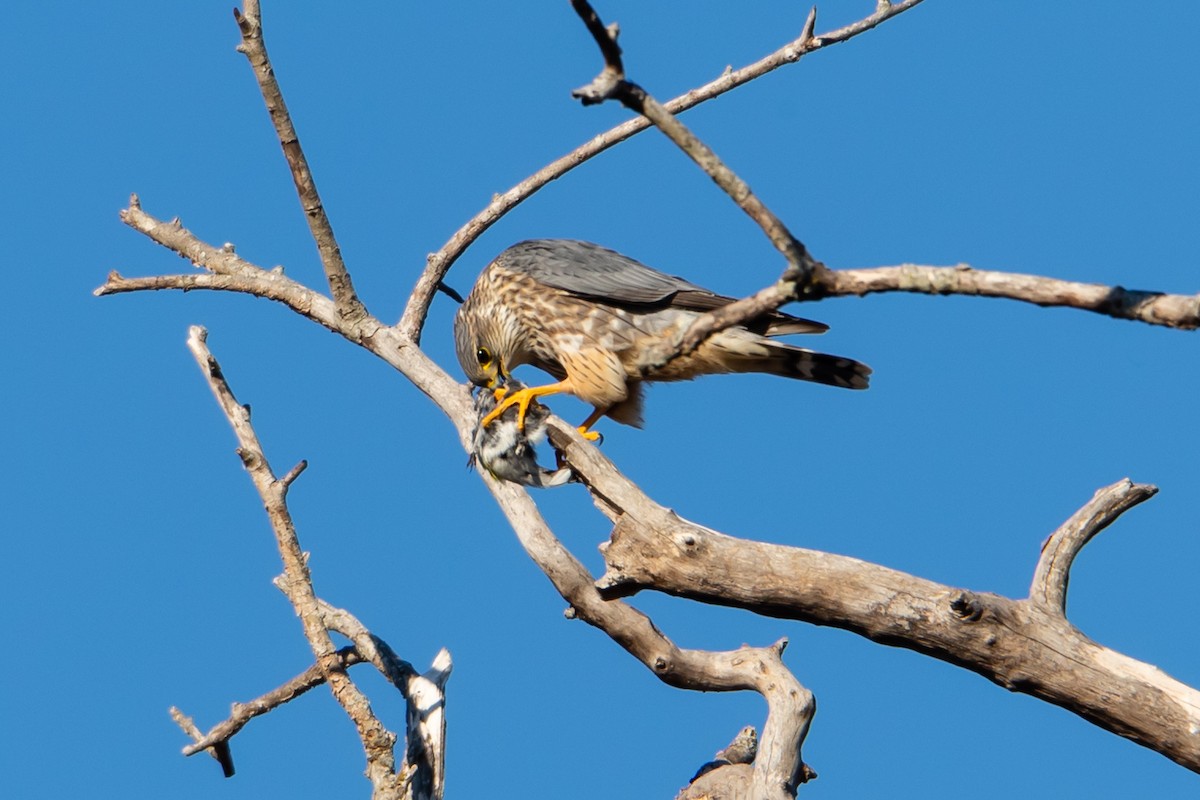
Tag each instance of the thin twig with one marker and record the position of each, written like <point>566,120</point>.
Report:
<point>439,263</point>
<point>254,47</point>
<point>242,713</point>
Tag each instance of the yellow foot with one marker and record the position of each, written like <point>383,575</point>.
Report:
<point>591,436</point>
<point>521,399</point>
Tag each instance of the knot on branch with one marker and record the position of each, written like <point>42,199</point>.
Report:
<point>966,606</point>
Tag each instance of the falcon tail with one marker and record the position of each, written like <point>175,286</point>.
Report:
<point>776,358</point>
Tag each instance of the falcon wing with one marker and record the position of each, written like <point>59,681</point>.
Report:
<point>597,273</point>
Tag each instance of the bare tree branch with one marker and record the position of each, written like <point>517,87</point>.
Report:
<point>242,713</point>
<point>425,760</point>
<point>1154,308</point>
<point>790,706</point>
<point>439,263</point>
<point>611,84</point>
<point>218,749</point>
<point>255,49</point>
<point>377,741</point>
<point>1018,644</point>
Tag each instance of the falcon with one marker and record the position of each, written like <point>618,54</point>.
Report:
<point>590,317</point>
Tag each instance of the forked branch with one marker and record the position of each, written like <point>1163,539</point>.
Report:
<point>1023,645</point>
<point>420,778</point>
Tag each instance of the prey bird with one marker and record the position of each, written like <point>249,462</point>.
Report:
<point>505,448</point>
<point>590,317</point>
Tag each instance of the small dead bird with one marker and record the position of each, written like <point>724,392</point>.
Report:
<point>506,451</point>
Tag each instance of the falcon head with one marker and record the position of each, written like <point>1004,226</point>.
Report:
<point>480,351</point>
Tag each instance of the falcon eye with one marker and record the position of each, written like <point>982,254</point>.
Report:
<point>483,356</point>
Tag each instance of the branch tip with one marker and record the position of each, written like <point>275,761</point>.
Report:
<point>810,24</point>
<point>294,473</point>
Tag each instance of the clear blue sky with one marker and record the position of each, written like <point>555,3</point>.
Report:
<point>1051,138</point>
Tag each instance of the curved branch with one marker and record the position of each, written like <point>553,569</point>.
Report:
<point>439,263</point>
<point>1049,589</point>
<point>779,767</point>
<point>1154,308</point>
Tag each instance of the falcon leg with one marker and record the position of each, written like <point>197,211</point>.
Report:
<point>521,399</point>
<point>592,419</point>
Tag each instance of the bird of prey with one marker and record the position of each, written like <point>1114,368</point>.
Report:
<point>590,317</point>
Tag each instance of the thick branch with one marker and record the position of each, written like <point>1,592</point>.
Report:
<point>1015,643</point>
<point>1049,589</point>
<point>790,706</point>
<point>439,263</point>
<point>1155,308</point>
<point>255,49</point>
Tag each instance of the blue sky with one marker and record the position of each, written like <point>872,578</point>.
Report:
<point>1049,138</point>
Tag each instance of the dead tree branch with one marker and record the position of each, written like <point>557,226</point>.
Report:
<point>1049,589</point>
<point>1153,308</point>
<point>418,779</point>
<point>1025,646</point>
<point>242,713</point>
<point>790,707</point>
<point>254,47</point>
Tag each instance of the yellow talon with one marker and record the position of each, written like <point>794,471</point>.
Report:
<point>591,436</point>
<point>520,399</point>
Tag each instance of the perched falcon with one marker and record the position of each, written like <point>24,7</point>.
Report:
<point>588,316</point>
